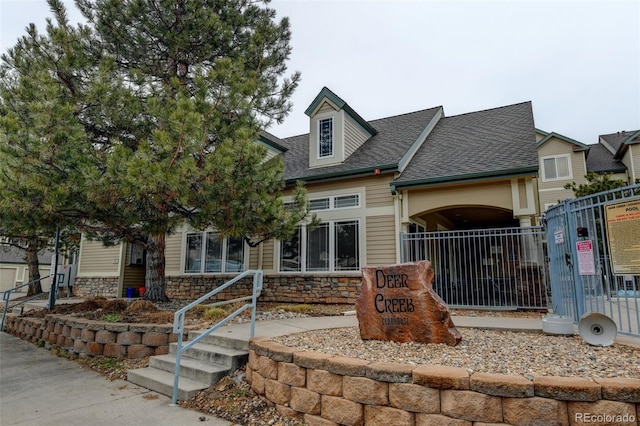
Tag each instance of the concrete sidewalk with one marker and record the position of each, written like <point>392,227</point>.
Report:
<point>39,388</point>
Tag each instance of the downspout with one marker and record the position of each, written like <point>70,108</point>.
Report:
<point>397,213</point>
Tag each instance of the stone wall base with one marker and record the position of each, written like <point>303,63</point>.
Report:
<point>276,288</point>
<point>83,337</point>
<point>334,390</point>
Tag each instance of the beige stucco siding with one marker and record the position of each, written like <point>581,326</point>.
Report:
<point>631,159</point>
<point>353,136</point>
<point>268,258</point>
<point>381,240</point>
<point>98,260</point>
<point>173,253</point>
<point>495,194</point>
<point>326,107</point>
<point>552,191</point>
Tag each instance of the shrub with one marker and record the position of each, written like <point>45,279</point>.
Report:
<point>142,306</point>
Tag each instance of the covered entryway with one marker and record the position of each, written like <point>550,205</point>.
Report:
<point>489,268</point>
<point>479,237</point>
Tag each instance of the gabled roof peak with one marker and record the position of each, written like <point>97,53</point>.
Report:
<point>341,104</point>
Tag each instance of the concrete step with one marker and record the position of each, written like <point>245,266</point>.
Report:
<point>190,368</point>
<point>162,382</point>
<point>214,339</point>
<point>201,366</point>
<point>214,354</point>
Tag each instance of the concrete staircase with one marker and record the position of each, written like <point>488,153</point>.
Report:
<point>201,366</point>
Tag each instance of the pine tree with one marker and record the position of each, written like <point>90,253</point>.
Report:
<point>165,100</point>
<point>596,182</point>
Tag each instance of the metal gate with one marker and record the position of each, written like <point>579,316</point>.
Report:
<point>586,274</point>
<point>502,268</point>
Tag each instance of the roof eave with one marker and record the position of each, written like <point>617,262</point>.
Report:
<point>347,174</point>
<point>466,178</point>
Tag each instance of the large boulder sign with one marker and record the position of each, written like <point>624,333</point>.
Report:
<point>398,303</point>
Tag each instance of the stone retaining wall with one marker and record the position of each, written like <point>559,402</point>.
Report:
<point>329,390</point>
<point>83,337</point>
<point>275,288</point>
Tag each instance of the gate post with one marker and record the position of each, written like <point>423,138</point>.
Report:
<point>572,224</point>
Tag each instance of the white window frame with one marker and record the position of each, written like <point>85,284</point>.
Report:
<point>203,253</point>
<point>332,201</point>
<point>333,138</point>
<point>545,178</point>
<point>331,248</point>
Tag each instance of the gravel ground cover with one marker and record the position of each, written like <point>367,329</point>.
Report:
<point>486,351</point>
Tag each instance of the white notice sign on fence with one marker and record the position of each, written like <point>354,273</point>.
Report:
<point>586,264</point>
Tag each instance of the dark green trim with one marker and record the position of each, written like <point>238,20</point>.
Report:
<point>630,139</point>
<point>271,143</point>
<point>326,93</point>
<point>581,146</point>
<point>467,178</point>
<point>347,174</point>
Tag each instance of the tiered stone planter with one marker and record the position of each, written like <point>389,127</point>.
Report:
<point>330,390</point>
<point>84,337</point>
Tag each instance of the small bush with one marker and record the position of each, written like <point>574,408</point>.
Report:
<point>215,314</point>
<point>298,309</point>
<point>111,317</point>
<point>115,305</point>
<point>142,306</point>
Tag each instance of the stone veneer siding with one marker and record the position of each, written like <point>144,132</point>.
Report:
<point>84,337</point>
<point>275,288</point>
<point>328,390</point>
<point>91,287</point>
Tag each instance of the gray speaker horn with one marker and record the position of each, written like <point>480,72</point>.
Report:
<point>597,329</point>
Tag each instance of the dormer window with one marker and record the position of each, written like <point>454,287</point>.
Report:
<point>325,137</point>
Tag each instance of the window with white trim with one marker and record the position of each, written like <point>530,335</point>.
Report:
<point>335,202</point>
<point>556,168</point>
<point>331,246</point>
<point>207,253</point>
<point>325,137</point>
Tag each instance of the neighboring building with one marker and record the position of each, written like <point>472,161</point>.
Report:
<point>564,160</point>
<point>367,181</point>
<point>14,270</point>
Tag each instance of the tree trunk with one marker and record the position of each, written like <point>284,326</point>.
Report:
<point>154,277</point>
<point>34,267</point>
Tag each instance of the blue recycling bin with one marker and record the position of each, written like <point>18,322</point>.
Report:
<point>130,292</point>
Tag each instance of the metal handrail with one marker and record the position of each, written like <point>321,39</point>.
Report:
<point>6,297</point>
<point>178,319</point>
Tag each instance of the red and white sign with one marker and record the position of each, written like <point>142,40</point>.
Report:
<point>586,264</point>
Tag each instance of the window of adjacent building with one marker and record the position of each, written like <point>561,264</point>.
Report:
<point>137,255</point>
<point>319,204</point>
<point>331,246</point>
<point>555,168</point>
<point>325,137</point>
<point>207,253</point>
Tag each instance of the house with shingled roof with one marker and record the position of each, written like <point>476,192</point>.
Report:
<point>368,181</point>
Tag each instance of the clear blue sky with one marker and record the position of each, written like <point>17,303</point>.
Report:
<point>577,61</point>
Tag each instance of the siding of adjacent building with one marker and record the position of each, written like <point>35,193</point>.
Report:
<point>550,192</point>
<point>96,260</point>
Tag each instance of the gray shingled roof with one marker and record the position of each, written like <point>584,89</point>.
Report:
<point>382,151</point>
<point>616,139</point>
<point>9,254</point>
<point>600,160</point>
<point>492,142</point>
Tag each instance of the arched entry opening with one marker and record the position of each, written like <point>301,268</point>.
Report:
<point>467,217</point>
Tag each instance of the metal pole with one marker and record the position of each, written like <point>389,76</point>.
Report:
<point>54,276</point>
